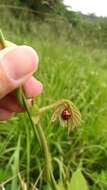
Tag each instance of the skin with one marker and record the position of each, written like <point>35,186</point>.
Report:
<point>17,65</point>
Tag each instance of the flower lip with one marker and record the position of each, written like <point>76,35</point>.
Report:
<point>66,114</point>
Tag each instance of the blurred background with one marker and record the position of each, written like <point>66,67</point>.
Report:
<point>53,17</point>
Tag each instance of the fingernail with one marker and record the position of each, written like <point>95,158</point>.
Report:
<point>20,62</point>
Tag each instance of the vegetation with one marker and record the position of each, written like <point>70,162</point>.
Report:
<point>72,66</point>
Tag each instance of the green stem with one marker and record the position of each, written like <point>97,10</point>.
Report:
<point>2,40</point>
<point>38,131</point>
<point>54,105</point>
<point>48,166</point>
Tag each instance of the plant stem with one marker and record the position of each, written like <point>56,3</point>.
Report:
<point>48,167</point>
<point>38,131</point>
<point>54,105</point>
<point>2,40</point>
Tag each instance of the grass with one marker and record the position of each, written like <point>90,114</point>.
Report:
<point>67,71</point>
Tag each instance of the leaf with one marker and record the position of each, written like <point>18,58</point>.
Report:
<point>15,164</point>
<point>47,187</point>
<point>4,174</point>
<point>60,186</point>
<point>78,182</point>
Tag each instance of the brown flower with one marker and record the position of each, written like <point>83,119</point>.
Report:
<point>67,113</point>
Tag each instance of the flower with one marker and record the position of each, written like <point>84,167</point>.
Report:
<point>67,113</point>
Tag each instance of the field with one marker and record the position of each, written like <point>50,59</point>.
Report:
<point>67,71</point>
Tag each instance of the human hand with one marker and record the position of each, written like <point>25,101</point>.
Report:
<point>17,64</point>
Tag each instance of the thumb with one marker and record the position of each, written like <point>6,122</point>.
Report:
<point>16,65</point>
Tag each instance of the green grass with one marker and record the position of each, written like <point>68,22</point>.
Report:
<point>67,71</point>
